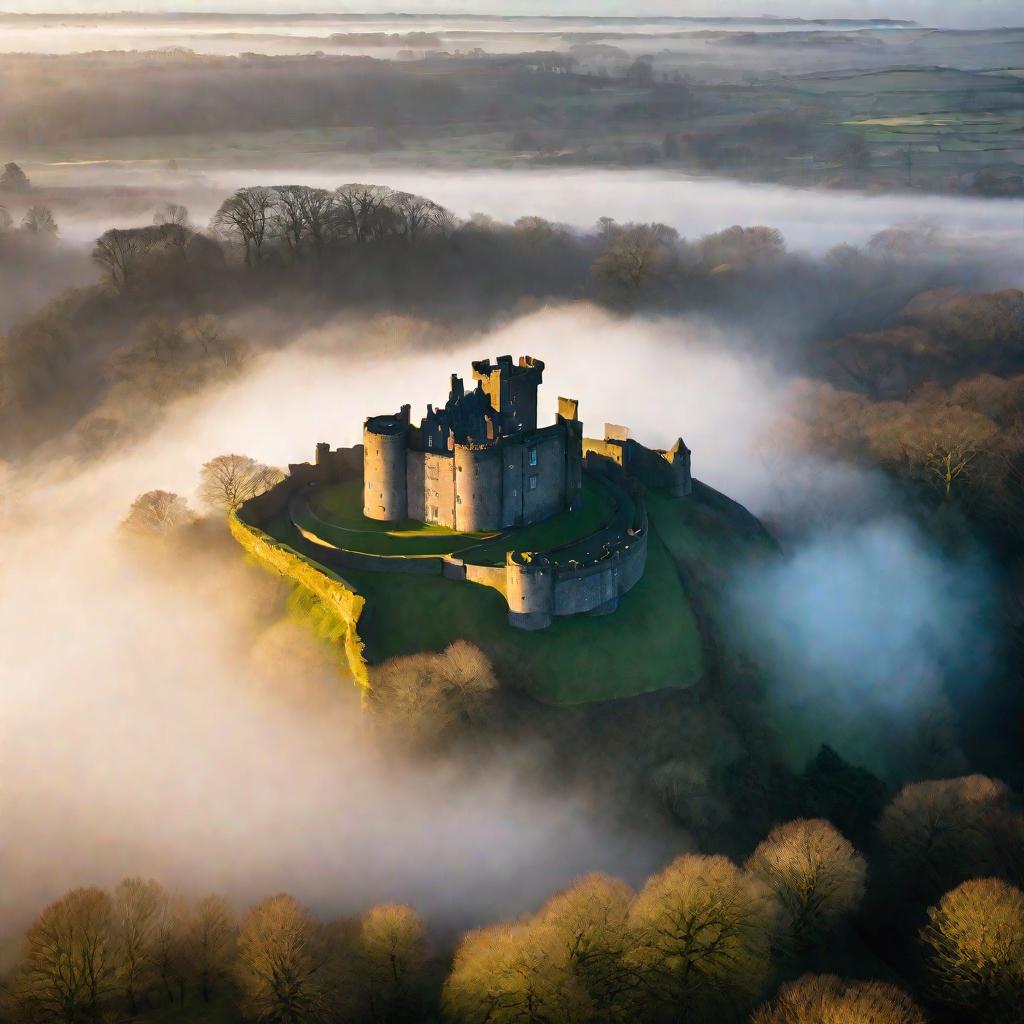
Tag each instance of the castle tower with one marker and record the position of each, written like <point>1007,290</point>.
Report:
<point>530,591</point>
<point>512,390</point>
<point>678,458</point>
<point>477,488</point>
<point>385,448</point>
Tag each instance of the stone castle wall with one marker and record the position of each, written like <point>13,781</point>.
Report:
<point>668,470</point>
<point>537,590</point>
<point>472,488</point>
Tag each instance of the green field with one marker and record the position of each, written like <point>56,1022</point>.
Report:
<point>334,514</point>
<point>651,642</point>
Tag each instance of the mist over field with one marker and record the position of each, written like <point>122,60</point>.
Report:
<point>788,745</point>
<point>159,736</point>
<point>811,220</point>
<point>117,751</point>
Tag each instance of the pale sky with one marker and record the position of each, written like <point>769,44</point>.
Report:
<point>958,13</point>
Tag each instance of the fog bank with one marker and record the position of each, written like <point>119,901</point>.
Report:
<point>811,220</point>
<point>143,735</point>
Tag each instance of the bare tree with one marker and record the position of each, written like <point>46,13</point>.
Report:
<point>704,931</point>
<point>136,906</point>
<point>285,964</point>
<point>288,216</point>
<point>245,217</point>
<point>974,950</point>
<point>507,974</point>
<point>119,252</point>
<point>814,871</point>
<point>391,952</point>
<point>318,214</point>
<point>418,215</point>
<point>209,943</point>
<point>821,998</point>
<point>948,459</point>
<point>211,337</point>
<point>228,480</point>
<point>169,956</point>
<point>363,213</point>
<point>428,695</point>
<point>635,255</point>
<point>589,921</point>
<point>172,213</point>
<point>70,962</point>
<point>741,247</point>
<point>934,834</point>
<point>14,179</point>
<point>38,221</point>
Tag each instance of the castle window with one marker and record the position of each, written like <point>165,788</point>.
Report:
<point>430,441</point>
<point>533,483</point>
<point>458,499</point>
<point>533,456</point>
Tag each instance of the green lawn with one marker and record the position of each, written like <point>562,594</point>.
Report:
<point>650,643</point>
<point>342,505</point>
<point>335,515</point>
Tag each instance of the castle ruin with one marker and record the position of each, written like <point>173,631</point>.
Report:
<point>479,463</point>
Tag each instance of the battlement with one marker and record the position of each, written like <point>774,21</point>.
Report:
<point>389,423</point>
<point>511,389</point>
<point>503,365</point>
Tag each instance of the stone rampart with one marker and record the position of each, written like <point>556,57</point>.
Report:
<point>668,470</point>
<point>598,587</point>
<point>337,596</point>
<point>530,592</point>
<point>536,587</point>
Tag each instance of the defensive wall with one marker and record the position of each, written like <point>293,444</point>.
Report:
<point>668,470</point>
<point>587,577</point>
<point>338,597</point>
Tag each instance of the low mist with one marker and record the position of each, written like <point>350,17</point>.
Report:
<point>811,220</point>
<point>860,625</point>
<point>171,726</point>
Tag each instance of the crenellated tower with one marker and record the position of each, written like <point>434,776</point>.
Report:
<point>512,390</point>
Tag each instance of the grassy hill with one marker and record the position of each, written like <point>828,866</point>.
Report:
<point>657,639</point>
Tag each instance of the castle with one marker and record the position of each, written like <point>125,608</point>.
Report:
<point>481,467</point>
<point>480,463</point>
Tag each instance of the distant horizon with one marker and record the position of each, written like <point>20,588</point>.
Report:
<point>959,14</point>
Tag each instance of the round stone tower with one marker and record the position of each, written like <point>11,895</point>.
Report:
<point>385,444</point>
<point>477,488</point>
<point>530,591</point>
